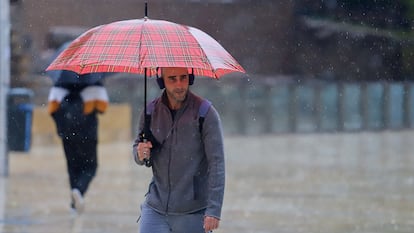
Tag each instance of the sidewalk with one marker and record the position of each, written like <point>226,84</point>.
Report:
<point>325,183</point>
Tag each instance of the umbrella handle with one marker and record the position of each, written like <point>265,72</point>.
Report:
<point>143,138</point>
<point>147,161</point>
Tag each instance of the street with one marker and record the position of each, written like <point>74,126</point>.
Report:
<point>325,183</point>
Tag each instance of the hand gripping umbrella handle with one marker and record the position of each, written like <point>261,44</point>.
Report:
<point>147,161</point>
<point>143,138</point>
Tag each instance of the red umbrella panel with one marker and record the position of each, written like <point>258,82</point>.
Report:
<point>136,45</point>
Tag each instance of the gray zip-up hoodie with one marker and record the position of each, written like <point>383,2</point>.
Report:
<point>188,168</point>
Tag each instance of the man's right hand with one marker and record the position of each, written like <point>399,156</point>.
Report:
<point>144,150</point>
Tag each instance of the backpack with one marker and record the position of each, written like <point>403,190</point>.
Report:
<point>70,120</point>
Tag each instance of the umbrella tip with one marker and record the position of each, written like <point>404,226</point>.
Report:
<point>146,9</point>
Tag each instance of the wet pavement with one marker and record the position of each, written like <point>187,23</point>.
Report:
<point>325,183</point>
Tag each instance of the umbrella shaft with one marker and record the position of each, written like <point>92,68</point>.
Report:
<point>145,90</point>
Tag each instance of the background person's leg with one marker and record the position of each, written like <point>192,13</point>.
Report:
<point>87,164</point>
<point>70,154</point>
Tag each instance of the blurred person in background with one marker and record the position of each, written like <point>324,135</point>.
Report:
<point>74,108</point>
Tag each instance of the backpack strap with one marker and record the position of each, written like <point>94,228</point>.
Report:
<point>202,112</point>
<point>147,117</point>
<point>151,106</point>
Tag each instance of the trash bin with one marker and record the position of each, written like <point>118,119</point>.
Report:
<point>19,115</point>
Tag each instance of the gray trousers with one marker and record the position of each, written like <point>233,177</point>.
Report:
<point>153,222</point>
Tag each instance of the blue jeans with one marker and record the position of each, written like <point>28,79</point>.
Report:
<point>153,222</point>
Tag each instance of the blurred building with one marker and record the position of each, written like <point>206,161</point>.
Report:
<point>267,37</point>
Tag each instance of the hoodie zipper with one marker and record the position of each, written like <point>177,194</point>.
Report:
<point>169,165</point>
<point>172,132</point>
<point>169,180</point>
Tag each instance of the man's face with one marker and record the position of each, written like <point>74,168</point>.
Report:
<point>176,82</point>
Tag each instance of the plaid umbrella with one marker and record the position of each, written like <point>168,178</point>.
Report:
<point>141,45</point>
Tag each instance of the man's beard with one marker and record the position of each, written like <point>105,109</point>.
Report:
<point>179,95</point>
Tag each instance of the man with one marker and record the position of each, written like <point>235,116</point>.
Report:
<point>187,188</point>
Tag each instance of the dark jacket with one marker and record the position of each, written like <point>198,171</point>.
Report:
<point>71,122</point>
<point>188,168</point>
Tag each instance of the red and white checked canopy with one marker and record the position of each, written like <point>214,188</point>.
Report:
<point>132,45</point>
